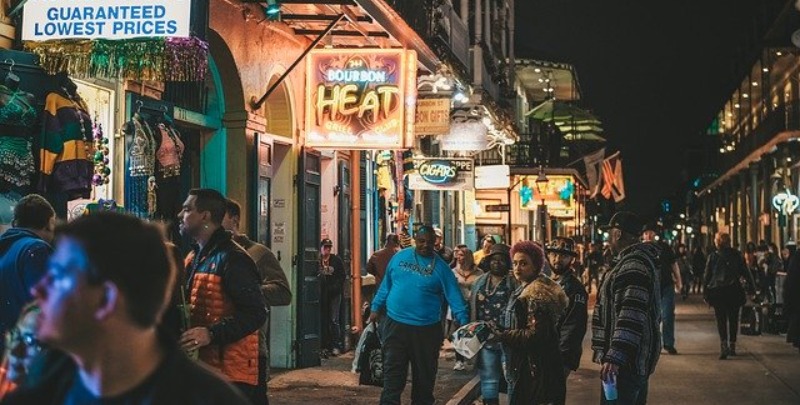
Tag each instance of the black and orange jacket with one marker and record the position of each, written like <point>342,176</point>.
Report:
<point>225,296</point>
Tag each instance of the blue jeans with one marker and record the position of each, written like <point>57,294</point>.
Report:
<point>631,389</point>
<point>668,316</point>
<point>491,371</point>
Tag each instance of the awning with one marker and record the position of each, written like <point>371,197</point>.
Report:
<point>367,23</point>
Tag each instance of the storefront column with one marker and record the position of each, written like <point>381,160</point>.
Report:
<point>733,206</point>
<point>744,217</point>
<point>478,22</point>
<point>766,196</point>
<point>231,176</point>
<point>754,202</point>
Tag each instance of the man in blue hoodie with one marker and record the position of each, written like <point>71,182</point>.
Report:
<point>416,283</point>
<point>24,252</point>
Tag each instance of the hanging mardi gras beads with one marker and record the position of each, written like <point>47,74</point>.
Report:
<point>101,160</point>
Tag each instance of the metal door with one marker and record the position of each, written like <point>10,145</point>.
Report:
<point>345,246</point>
<point>308,298</point>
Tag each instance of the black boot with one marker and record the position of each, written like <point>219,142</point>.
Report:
<point>732,349</point>
<point>491,402</point>
<point>723,351</point>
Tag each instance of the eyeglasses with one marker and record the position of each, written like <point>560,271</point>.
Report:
<point>29,339</point>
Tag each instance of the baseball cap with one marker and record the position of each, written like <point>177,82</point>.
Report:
<point>651,226</point>
<point>562,245</point>
<point>625,221</point>
<point>326,242</point>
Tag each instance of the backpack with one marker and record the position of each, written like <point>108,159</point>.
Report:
<point>665,261</point>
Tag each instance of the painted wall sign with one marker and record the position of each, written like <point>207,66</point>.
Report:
<point>360,98</point>
<point>492,177</point>
<point>442,174</point>
<point>432,116</point>
<point>465,136</point>
<point>105,19</point>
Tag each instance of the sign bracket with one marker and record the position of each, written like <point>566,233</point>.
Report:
<point>257,104</point>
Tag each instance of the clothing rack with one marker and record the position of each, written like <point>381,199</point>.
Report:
<point>149,105</point>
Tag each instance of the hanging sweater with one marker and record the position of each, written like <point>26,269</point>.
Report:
<point>64,163</point>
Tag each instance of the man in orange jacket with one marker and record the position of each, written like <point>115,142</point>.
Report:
<point>227,308</point>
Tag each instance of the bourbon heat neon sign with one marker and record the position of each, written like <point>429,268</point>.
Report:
<point>360,98</point>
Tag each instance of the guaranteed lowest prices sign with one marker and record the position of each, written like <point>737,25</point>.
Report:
<point>442,174</point>
<point>360,98</point>
<point>105,19</point>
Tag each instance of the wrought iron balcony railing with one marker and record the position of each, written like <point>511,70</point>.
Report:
<point>782,118</point>
<point>441,27</point>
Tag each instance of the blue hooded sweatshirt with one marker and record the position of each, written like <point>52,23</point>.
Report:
<point>23,261</point>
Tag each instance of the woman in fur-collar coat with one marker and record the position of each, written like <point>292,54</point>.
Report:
<point>529,334</point>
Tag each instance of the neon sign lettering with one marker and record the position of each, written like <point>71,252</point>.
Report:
<point>358,98</point>
<point>369,76</point>
<point>343,101</point>
<point>438,171</point>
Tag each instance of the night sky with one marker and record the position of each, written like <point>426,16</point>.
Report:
<point>654,72</point>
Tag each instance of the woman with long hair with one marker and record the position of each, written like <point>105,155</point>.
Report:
<point>724,292</point>
<point>530,338</point>
<point>467,273</point>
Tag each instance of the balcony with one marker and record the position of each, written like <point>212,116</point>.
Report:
<point>781,119</point>
<point>483,77</point>
<point>441,28</point>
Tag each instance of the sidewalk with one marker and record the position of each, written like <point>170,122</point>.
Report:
<point>333,383</point>
<point>766,371</point>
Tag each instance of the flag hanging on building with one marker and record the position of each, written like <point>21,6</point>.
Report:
<point>613,184</point>
<point>594,164</point>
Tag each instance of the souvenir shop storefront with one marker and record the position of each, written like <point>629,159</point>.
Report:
<point>99,132</point>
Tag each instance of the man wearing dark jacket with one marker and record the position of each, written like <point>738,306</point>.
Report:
<point>101,301</point>
<point>24,251</point>
<point>274,286</point>
<point>572,325</point>
<point>332,276</point>
<point>227,307</point>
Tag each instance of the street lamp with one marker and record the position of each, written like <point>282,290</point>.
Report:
<point>541,187</point>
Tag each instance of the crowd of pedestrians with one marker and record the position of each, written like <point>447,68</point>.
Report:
<point>88,317</point>
<point>114,312</point>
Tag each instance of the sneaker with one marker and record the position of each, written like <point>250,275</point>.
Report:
<point>336,352</point>
<point>459,366</point>
<point>670,349</point>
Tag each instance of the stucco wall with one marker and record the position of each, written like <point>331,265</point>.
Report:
<point>257,50</point>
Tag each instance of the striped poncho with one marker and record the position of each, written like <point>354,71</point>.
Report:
<point>625,324</point>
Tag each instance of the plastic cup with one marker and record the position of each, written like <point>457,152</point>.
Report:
<point>610,388</point>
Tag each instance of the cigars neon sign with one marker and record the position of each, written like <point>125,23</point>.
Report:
<point>360,98</point>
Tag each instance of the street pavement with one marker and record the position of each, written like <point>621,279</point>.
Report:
<point>334,384</point>
<point>766,371</point>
